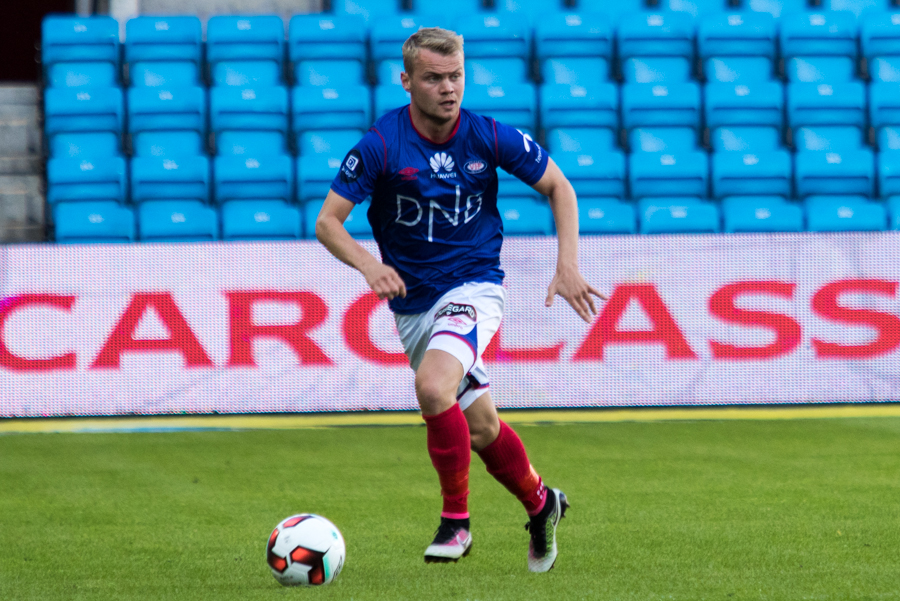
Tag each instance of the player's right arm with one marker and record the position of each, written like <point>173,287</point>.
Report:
<point>330,231</point>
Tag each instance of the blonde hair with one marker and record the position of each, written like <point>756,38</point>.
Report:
<point>441,41</point>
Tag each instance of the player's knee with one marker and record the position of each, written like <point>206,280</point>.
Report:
<point>434,397</point>
<point>483,434</point>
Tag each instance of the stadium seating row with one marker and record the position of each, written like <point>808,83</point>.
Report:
<point>191,221</point>
<point>332,37</point>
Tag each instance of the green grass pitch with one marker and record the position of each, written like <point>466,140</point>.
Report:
<point>730,510</point>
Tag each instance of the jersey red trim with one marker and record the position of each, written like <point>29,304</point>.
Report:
<point>383,143</point>
<point>426,138</point>
<point>496,148</point>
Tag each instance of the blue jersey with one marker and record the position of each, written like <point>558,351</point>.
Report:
<point>434,206</point>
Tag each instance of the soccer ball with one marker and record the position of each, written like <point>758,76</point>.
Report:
<point>305,549</point>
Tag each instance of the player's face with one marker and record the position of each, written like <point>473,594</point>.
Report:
<point>436,85</point>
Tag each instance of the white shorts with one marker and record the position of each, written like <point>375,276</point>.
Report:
<point>462,323</point>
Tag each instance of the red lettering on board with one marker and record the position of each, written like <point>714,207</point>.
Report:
<point>825,304</point>
<point>787,330</point>
<point>496,352</point>
<point>13,362</point>
<point>357,333</point>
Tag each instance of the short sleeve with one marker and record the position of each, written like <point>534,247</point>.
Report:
<point>361,167</point>
<point>519,155</point>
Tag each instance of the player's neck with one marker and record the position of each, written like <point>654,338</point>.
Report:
<point>435,132</point>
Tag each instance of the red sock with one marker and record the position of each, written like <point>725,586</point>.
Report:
<point>506,460</point>
<point>448,446</point>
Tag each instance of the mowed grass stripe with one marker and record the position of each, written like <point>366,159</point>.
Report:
<point>410,418</point>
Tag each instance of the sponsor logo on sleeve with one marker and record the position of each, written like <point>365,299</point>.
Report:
<point>455,310</point>
<point>475,166</point>
<point>352,167</point>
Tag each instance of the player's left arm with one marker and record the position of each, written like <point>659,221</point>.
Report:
<point>568,281</point>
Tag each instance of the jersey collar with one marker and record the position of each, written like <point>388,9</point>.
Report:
<point>429,140</point>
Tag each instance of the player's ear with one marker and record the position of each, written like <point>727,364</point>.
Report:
<point>404,80</point>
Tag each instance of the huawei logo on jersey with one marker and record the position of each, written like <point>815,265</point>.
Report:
<point>442,162</point>
<point>408,174</point>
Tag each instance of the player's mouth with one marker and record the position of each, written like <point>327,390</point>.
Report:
<point>448,103</point>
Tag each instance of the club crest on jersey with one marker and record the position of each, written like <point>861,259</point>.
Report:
<point>442,164</point>
<point>475,166</point>
<point>455,310</point>
<point>408,174</point>
<point>352,167</point>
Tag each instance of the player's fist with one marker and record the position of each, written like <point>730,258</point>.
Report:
<point>385,281</point>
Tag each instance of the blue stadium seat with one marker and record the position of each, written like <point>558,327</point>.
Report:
<point>335,143</point>
<point>246,74</point>
<point>388,72</point>
<point>678,216</point>
<point>509,187</point>
<point>514,104</point>
<point>170,178</point>
<point>329,73</point>
<point>662,139</point>
<point>86,167</point>
<point>525,217</point>
<point>428,8</point>
<point>164,39</point>
<point>844,214</point>
<point>367,9</point>
<point>750,69</point>
<point>601,174</point>
<point>613,11</point>
<point>826,104</point>
<point>759,103</point>
<point>177,221</point>
<point>745,139</point>
<point>820,69</point>
<point>776,8</point>
<point>248,177</point>
<point>167,109</point>
<point>888,138</point>
<point>83,109</point>
<point>663,174</point>
<point>884,104</point>
<point>892,204</point>
<point>250,143</point>
<point>82,75</point>
<point>606,216</point>
<point>245,38</point>
<point>879,34</point>
<point>315,172</point>
<point>586,35</point>
<point>347,107</point>
<point>389,97</point>
<point>737,35</point>
<point>357,223</point>
<point>575,71</point>
<point>324,37</point>
<point>818,34</point>
<point>844,172</point>
<point>652,105</point>
<point>757,214</point>
<point>888,173</point>
<point>828,138</point>
<point>695,8</point>
<point>163,74</point>
<point>656,70</point>
<point>579,106</point>
<point>580,140</point>
<point>168,144</point>
<point>98,222</point>
<point>85,145</point>
<point>885,69</point>
<point>496,71</point>
<point>388,34</point>
<point>260,220</point>
<point>765,173</point>
<point>495,36</point>
<point>68,38</point>
<point>656,34</point>
<point>262,108</point>
<point>857,7</point>
<point>532,9</point>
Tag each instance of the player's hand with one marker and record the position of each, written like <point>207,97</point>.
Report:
<point>385,281</point>
<point>569,284</point>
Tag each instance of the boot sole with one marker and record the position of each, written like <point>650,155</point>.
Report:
<point>436,559</point>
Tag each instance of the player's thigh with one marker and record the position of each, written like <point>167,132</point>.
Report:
<point>437,381</point>
<point>484,423</point>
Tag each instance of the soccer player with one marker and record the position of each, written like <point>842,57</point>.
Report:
<point>430,169</point>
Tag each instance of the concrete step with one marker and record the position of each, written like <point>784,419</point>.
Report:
<point>20,127</point>
<point>21,208</point>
